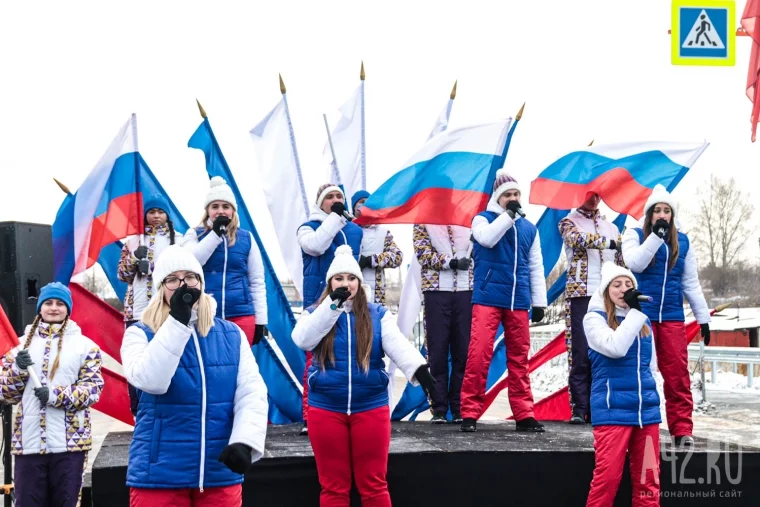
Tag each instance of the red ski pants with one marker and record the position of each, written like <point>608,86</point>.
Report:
<point>355,443</point>
<point>485,323</point>
<point>673,362</point>
<point>643,447</point>
<point>226,496</point>
<point>248,324</point>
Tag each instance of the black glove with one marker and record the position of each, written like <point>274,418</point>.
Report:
<point>339,295</point>
<point>513,206</point>
<point>23,359</point>
<point>365,262</point>
<point>425,379</point>
<point>460,264</point>
<point>181,309</point>
<point>141,252</point>
<point>219,222</point>
<point>614,245</point>
<point>338,208</point>
<point>143,267</point>
<point>259,333</point>
<point>631,298</point>
<point>537,315</point>
<point>705,328</point>
<point>237,457</point>
<point>661,227</point>
<point>42,394</point>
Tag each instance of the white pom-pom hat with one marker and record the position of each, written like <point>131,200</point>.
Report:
<point>610,271</point>
<point>660,194</point>
<point>220,191</point>
<point>344,262</point>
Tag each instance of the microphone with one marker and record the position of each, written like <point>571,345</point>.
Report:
<point>520,212</point>
<point>335,307</point>
<point>187,298</point>
<point>646,299</point>
<point>348,216</point>
<point>223,228</point>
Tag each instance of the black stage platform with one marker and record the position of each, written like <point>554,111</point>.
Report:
<point>440,466</point>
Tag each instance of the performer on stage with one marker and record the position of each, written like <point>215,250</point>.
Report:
<point>231,262</point>
<point>202,413</point>
<point>51,428</point>
<point>666,269</point>
<point>349,417</point>
<point>328,228</point>
<point>589,241</point>
<point>624,400</point>
<point>509,282</point>
<point>443,252</point>
<point>378,252</point>
<point>138,257</point>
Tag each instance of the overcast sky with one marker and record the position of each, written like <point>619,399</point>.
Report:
<point>72,73</point>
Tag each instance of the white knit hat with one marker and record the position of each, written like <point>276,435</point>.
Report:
<point>660,194</point>
<point>175,258</point>
<point>344,262</point>
<point>220,191</point>
<point>503,183</point>
<point>326,189</point>
<point>610,271</point>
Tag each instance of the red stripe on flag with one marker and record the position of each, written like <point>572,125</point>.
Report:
<point>616,187</point>
<point>8,337</point>
<point>435,206</point>
<point>98,320</point>
<point>122,218</point>
<point>114,400</point>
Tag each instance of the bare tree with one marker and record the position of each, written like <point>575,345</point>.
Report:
<point>723,221</point>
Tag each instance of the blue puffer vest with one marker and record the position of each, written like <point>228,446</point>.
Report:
<point>226,274</point>
<point>623,391</point>
<point>502,273</point>
<point>663,285</point>
<point>343,386</point>
<point>315,268</point>
<point>168,448</point>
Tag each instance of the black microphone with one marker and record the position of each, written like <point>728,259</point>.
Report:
<point>348,216</point>
<point>223,228</point>
<point>520,212</point>
<point>187,297</point>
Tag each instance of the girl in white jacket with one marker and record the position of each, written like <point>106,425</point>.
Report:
<point>51,427</point>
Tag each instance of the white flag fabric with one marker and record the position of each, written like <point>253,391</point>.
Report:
<point>442,122</point>
<point>282,182</point>
<point>347,139</point>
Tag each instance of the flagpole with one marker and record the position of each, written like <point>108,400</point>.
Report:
<point>363,147</point>
<point>283,90</point>
<point>452,96</point>
<point>141,219</point>
<point>336,172</point>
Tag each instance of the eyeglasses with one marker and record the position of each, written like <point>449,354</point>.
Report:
<point>172,282</point>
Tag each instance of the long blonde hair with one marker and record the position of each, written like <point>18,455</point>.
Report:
<point>325,351</point>
<point>157,312</point>
<point>609,308</point>
<point>61,332</point>
<point>231,229</point>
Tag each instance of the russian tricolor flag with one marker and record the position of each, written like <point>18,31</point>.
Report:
<point>107,207</point>
<point>447,182</point>
<point>622,174</point>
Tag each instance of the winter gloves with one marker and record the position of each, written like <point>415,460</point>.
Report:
<point>365,262</point>
<point>460,264</point>
<point>512,207</point>
<point>143,264</point>
<point>220,225</point>
<point>42,394</point>
<point>338,208</point>
<point>661,227</point>
<point>339,295</point>
<point>181,303</point>
<point>631,298</point>
<point>23,359</point>
<point>259,333</point>
<point>614,245</point>
<point>141,252</point>
<point>237,457</point>
<point>425,379</point>
<point>705,329</point>
<point>537,314</point>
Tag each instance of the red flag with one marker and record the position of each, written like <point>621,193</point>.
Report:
<point>751,23</point>
<point>114,400</point>
<point>8,337</point>
<point>98,320</point>
<point>555,407</point>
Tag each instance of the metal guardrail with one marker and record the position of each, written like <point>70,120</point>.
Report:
<point>732,355</point>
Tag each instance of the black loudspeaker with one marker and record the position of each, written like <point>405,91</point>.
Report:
<point>26,265</point>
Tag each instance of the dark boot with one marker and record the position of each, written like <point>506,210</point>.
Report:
<point>456,418</point>
<point>577,418</point>
<point>304,430</point>
<point>684,442</point>
<point>469,426</point>
<point>438,418</point>
<point>530,424</point>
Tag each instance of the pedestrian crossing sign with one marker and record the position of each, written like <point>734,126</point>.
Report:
<point>703,32</point>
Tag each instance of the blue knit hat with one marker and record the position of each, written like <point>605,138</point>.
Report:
<point>55,290</point>
<point>358,195</point>
<point>156,201</point>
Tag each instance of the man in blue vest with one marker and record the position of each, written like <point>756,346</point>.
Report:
<point>509,282</point>
<point>329,226</point>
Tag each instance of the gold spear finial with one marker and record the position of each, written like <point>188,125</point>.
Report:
<point>591,143</point>
<point>454,91</point>
<point>200,108</point>
<point>361,72</point>
<point>722,307</point>
<point>520,112</point>
<point>282,85</point>
<point>62,186</point>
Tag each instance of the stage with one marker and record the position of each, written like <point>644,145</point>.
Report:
<point>440,466</point>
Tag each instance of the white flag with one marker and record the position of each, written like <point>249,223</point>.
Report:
<point>348,142</point>
<point>282,182</point>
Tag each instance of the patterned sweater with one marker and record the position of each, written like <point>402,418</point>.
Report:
<point>435,246</point>
<point>63,425</point>
<point>378,244</point>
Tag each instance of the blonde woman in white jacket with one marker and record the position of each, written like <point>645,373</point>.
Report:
<point>51,427</point>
